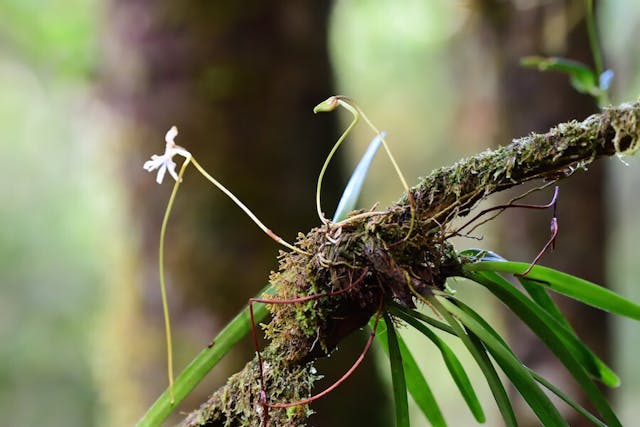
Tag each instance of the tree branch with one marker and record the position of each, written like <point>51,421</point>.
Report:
<point>370,247</point>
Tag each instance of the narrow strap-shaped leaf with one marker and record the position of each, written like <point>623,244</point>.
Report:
<point>571,286</point>
<point>545,326</point>
<point>538,293</point>
<point>402,312</point>
<point>416,382</point>
<point>478,318</point>
<point>455,368</point>
<point>513,368</point>
<point>486,270</point>
<point>578,408</point>
<point>572,352</point>
<point>203,363</point>
<point>354,186</point>
<point>537,377</point>
<point>478,352</point>
<point>397,376</point>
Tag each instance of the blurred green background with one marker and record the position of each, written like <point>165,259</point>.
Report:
<point>68,233</point>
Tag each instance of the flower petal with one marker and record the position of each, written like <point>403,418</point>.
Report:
<point>171,167</point>
<point>161,172</point>
<point>180,150</point>
<point>154,163</point>
<point>171,134</point>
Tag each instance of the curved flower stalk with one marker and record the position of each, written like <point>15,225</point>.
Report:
<point>347,103</point>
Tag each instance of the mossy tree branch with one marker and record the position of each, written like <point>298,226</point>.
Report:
<point>370,245</point>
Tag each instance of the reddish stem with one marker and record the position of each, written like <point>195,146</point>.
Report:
<point>552,203</point>
<point>263,394</point>
<point>550,244</point>
<point>344,377</point>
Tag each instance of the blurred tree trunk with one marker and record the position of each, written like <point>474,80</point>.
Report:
<point>240,81</point>
<point>532,101</point>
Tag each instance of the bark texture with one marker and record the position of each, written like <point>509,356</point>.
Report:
<point>369,255</point>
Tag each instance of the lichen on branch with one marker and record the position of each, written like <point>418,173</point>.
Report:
<point>368,249</point>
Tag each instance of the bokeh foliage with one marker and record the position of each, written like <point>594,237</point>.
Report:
<point>53,213</point>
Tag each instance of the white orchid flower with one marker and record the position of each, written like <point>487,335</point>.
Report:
<point>165,162</point>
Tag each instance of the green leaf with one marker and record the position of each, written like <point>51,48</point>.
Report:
<point>402,312</point>
<point>572,352</point>
<point>354,186</point>
<point>512,367</point>
<point>537,377</point>
<point>464,307</point>
<point>454,366</point>
<point>203,363</point>
<point>416,383</point>
<point>571,286</point>
<point>582,78</point>
<point>397,376</point>
<point>478,352</point>
<point>578,408</point>
<point>537,293</point>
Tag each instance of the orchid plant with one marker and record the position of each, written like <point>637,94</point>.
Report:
<point>451,315</point>
<point>380,275</point>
